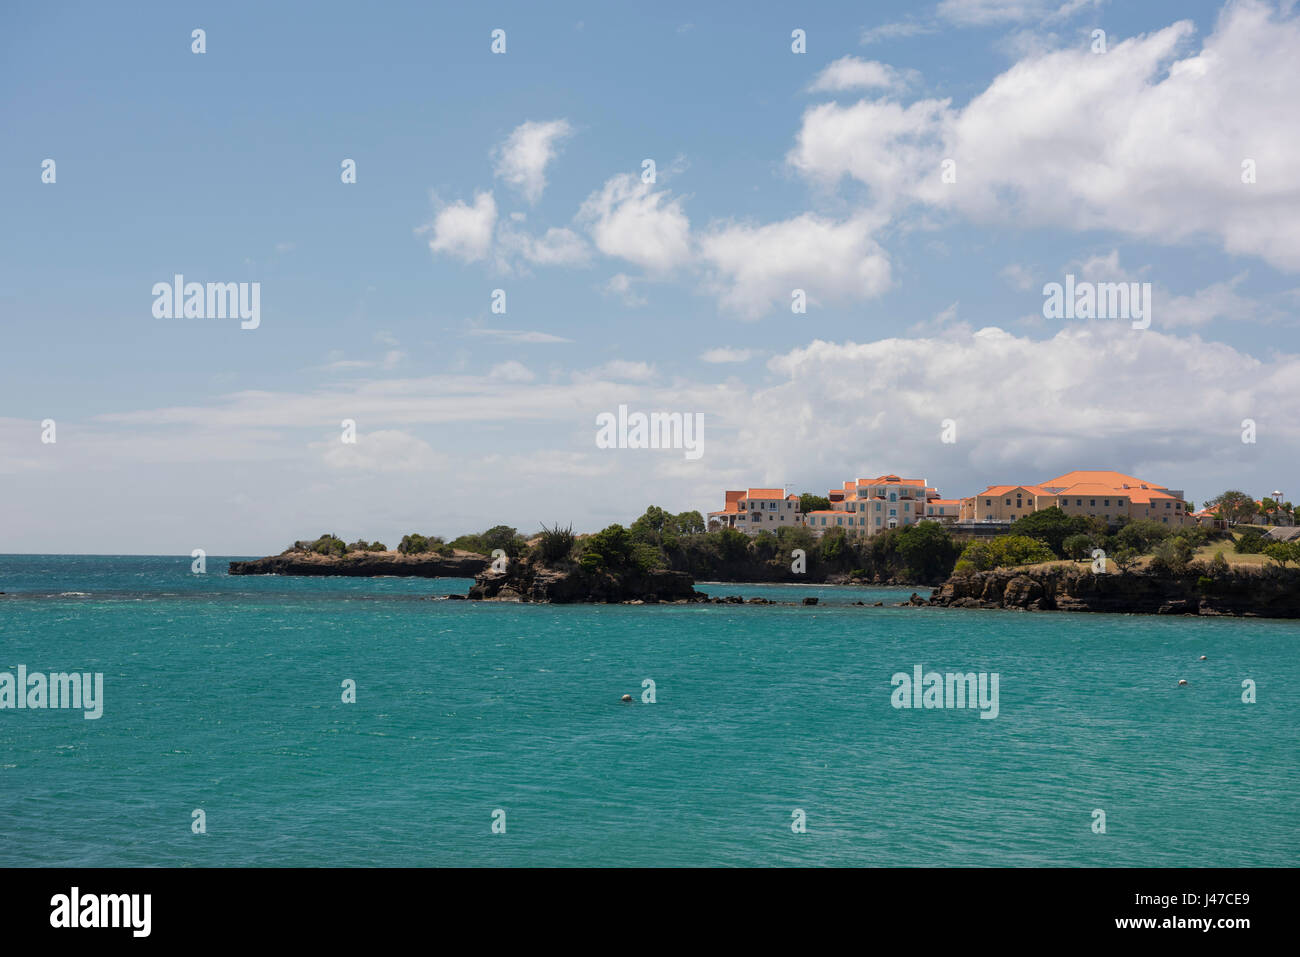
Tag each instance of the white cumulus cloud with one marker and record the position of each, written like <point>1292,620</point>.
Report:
<point>522,159</point>
<point>631,220</point>
<point>465,231</point>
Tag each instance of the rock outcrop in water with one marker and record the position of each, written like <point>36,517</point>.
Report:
<point>365,564</point>
<point>524,580</point>
<point>1266,593</point>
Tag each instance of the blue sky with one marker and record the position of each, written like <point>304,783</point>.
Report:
<point>521,172</point>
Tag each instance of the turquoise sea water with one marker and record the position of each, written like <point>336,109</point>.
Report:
<point>224,694</point>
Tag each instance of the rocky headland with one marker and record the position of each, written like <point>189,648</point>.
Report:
<point>365,564</point>
<point>1265,593</point>
<point>524,580</point>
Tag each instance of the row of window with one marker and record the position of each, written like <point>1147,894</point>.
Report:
<point>862,520</point>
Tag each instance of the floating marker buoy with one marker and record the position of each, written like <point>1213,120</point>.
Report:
<point>1182,681</point>
<point>627,698</point>
<point>1202,657</point>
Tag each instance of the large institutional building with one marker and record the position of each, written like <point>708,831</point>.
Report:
<point>864,507</point>
<point>1105,495</point>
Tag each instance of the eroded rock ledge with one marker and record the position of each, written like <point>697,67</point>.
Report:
<point>525,581</point>
<point>365,564</point>
<point>1267,594</point>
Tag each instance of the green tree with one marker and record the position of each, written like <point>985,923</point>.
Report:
<point>329,544</point>
<point>808,502</point>
<point>1234,506</point>
<point>1124,558</point>
<point>927,550</point>
<point>1283,552</point>
<point>687,523</point>
<point>413,544</point>
<point>1051,526</point>
<point>1251,541</point>
<point>611,547</point>
<point>650,526</point>
<point>1172,556</point>
<point>732,545</point>
<point>1004,551</point>
<point>1077,547</point>
<point>1142,535</point>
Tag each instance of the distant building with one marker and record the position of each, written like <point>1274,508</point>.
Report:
<point>865,507</point>
<point>1209,516</point>
<point>753,510</point>
<point>1105,495</point>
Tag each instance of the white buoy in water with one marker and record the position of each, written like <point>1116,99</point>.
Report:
<point>1182,681</point>
<point>627,698</point>
<point>1202,657</point>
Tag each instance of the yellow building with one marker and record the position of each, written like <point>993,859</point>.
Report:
<point>1105,495</point>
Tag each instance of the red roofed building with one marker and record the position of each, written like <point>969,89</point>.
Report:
<point>1105,495</point>
<point>752,510</point>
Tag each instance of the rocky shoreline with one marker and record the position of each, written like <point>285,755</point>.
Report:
<point>1272,594</point>
<point>365,564</point>
<point>1266,593</point>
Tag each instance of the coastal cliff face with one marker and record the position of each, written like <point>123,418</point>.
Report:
<point>525,581</point>
<point>1274,594</point>
<point>365,564</point>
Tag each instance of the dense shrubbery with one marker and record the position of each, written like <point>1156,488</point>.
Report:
<point>498,536</point>
<point>924,552</point>
<point>1003,551</point>
<point>327,544</point>
<point>1283,552</point>
<point>417,544</point>
<point>1172,555</point>
<point>1251,542</point>
<point>617,549</point>
<point>1053,527</point>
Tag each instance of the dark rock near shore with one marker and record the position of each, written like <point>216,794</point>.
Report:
<point>1267,593</point>
<point>526,581</point>
<point>365,565</point>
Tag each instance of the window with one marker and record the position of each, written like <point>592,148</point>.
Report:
<point>1078,501</point>
<point>1092,503</point>
<point>1008,501</point>
<point>877,506</point>
<point>988,502</point>
<point>893,496</point>
<point>1106,503</point>
<point>893,511</point>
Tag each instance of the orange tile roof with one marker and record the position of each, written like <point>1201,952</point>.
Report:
<point>1141,495</point>
<point>1003,489</point>
<point>1097,477</point>
<point>1091,488</point>
<point>766,493</point>
<point>889,480</point>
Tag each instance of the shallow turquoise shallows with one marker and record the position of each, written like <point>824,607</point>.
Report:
<point>225,694</point>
